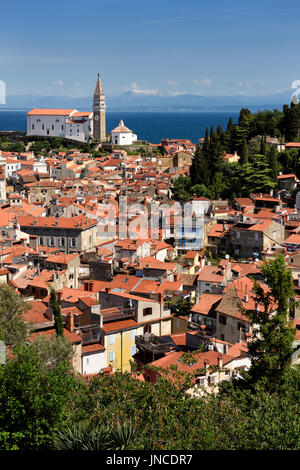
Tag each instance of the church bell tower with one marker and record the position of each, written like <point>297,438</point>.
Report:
<point>99,107</point>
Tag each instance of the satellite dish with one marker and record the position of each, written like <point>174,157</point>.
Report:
<point>227,256</point>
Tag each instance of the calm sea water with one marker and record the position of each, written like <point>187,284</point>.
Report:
<point>150,126</point>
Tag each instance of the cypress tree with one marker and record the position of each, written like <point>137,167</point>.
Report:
<point>271,347</point>
<point>244,153</point>
<point>215,153</point>
<point>273,163</point>
<point>263,145</point>
<point>199,170</point>
<point>58,323</point>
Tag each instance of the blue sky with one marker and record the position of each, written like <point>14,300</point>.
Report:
<point>150,47</point>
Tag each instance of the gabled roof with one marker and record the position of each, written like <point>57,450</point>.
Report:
<point>50,112</point>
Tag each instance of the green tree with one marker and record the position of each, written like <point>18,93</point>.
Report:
<point>58,323</point>
<point>182,188</point>
<point>13,329</point>
<point>271,347</point>
<point>244,154</point>
<point>273,162</point>
<point>200,170</point>
<point>36,398</point>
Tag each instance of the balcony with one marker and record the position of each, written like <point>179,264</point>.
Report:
<point>153,344</point>
<point>117,313</point>
<point>89,333</point>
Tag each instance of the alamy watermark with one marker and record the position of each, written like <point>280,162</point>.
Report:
<point>2,92</point>
<point>184,223</point>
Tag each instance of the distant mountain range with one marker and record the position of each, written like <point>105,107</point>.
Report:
<point>132,101</point>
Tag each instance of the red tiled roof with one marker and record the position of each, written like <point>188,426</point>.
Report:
<point>206,302</point>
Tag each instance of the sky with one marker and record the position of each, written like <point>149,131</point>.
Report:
<point>157,47</point>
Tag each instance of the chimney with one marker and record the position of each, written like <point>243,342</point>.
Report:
<point>246,295</point>
<point>70,322</point>
<point>225,348</point>
<point>206,365</point>
<point>220,362</point>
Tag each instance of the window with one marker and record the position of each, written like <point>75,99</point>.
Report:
<point>200,381</point>
<point>111,356</point>
<point>132,334</point>
<point>41,240</point>
<point>73,242</point>
<point>62,128</point>
<point>238,234</point>
<point>52,127</point>
<point>62,241</point>
<point>32,126</point>
<point>133,350</point>
<point>111,339</point>
<point>147,311</point>
<point>51,241</point>
<point>43,127</point>
<point>241,326</point>
<point>147,329</point>
<point>222,319</point>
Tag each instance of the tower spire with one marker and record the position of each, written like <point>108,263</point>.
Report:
<point>99,107</point>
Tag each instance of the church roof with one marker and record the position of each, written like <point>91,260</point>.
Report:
<point>50,112</point>
<point>121,128</point>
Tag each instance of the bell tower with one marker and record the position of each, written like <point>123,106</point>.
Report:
<point>99,107</point>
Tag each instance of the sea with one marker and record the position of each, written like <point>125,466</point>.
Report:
<point>149,126</point>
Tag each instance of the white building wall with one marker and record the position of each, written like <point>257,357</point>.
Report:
<point>53,126</point>
<point>123,138</point>
<point>93,363</point>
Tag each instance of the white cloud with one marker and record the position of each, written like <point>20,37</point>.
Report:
<point>206,82</point>
<point>172,83</point>
<point>58,82</point>
<point>134,88</point>
<point>176,93</point>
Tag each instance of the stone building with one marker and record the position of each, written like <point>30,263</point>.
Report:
<point>68,235</point>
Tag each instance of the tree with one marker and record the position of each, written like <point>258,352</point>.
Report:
<point>181,188</point>
<point>273,162</point>
<point>271,347</point>
<point>13,329</point>
<point>58,323</point>
<point>36,398</point>
<point>244,152</point>
<point>200,170</point>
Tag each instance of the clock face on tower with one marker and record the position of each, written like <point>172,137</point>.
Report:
<point>96,118</point>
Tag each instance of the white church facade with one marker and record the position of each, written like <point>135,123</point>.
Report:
<point>76,125</point>
<point>67,123</point>
<point>121,135</point>
<point>71,123</point>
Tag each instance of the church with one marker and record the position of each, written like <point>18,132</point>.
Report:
<point>71,123</point>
